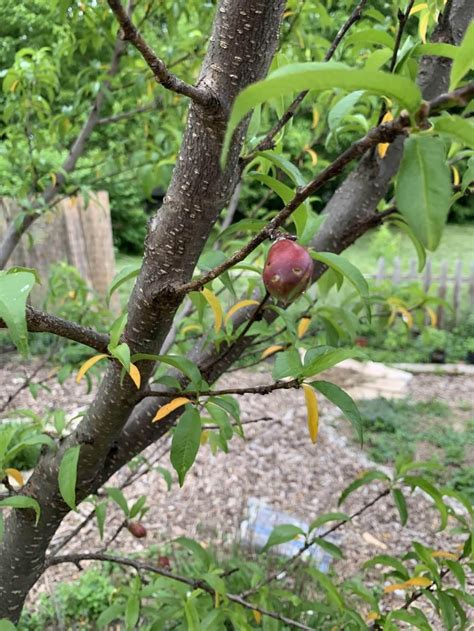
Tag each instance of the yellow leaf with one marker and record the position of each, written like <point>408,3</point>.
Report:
<point>423,26</point>
<point>16,475</point>
<point>14,85</point>
<point>88,364</point>
<point>216,600</point>
<point>204,437</point>
<point>257,615</point>
<point>170,407</point>
<point>312,153</point>
<point>303,326</point>
<point>456,177</point>
<point>135,375</point>
<point>312,409</point>
<point>418,7</point>
<point>239,305</point>
<point>288,13</point>
<point>191,327</point>
<point>393,588</point>
<point>372,615</point>
<point>418,581</point>
<point>315,118</point>
<point>382,148</point>
<point>271,350</point>
<point>442,554</point>
<point>433,316</point>
<point>54,178</point>
<point>216,307</point>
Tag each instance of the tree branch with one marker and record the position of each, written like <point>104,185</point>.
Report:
<point>193,394</point>
<point>124,115</point>
<point>194,583</point>
<point>42,322</point>
<point>156,65</point>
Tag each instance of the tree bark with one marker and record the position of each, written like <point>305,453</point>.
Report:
<point>242,45</point>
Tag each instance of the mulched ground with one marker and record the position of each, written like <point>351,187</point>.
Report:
<point>276,462</point>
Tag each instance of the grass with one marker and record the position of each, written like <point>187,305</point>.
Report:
<point>424,430</point>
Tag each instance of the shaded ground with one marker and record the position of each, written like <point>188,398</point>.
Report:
<point>276,462</point>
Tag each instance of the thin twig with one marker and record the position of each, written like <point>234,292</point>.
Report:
<point>194,583</point>
<point>156,65</point>
<point>264,389</point>
<point>130,114</point>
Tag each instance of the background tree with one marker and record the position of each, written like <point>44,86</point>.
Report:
<point>80,110</point>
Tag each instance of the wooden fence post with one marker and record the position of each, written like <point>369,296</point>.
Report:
<point>457,289</point>
<point>443,285</point>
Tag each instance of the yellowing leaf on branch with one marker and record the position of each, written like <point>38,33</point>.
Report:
<point>456,176</point>
<point>170,407</point>
<point>382,147</point>
<point>271,350</point>
<point>372,615</point>
<point>443,554</point>
<point>315,118</point>
<point>191,327</point>
<point>418,7</point>
<point>432,315</point>
<point>87,365</point>
<point>237,306</point>
<point>16,475</point>
<point>417,581</point>
<point>423,26</point>
<point>312,154</point>
<point>303,326</point>
<point>257,615</point>
<point>312,411</point>
<point>204,437</point>
<point>216,307</point>
<point>135,375</point>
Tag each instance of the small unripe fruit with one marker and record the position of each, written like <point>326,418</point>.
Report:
<point>288,270</point>
<point>137,529</point>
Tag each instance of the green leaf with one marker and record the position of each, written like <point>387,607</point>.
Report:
<point>429,489</point>
<point>30,270</point>
<point>328,586</point>
<point>464,60</point>
<point>67,476</point>
<point>319,359</point>
<point>281,534</point>
<point>122,353</point>
<point>138,506</point>
<point>186,366</point>
<point>420,250</point>
<point>22,501</point>
<point>128,272</point>
<point>216,582</point>
<point>457,570</point>
<point>342,266</point>
<point>114,612</point>
<point>423,188</point>
<point>284,165</point>
<point>460,128</point>
<point>389,561</point>
<point>6,625</point>
<point>132,612</point>
<point>401,505</point>
<point>367,478</point>
<point>119,498</point>
<point>323,519</point>
<point>196,549</point>
<point>319,76</point>
<point>344,402</point>
<point>414,617</point>
<point>14,291</point>
<point>116,330</point>
<point>166,476</point>
<point>343,107</point>
<point>185,442</point>
<point>287,364</point>
<point>468,175</point>
<point>329,547</point>
<point>100,512</point>
<point>436,50</point>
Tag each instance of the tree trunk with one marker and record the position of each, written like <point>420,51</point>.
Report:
<point>242,45</point>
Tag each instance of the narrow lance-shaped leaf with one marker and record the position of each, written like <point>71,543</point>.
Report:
<point>67,476</point>
<point>282,534</point>
<point>464,59</point>
<point>423,188</point>
<point>216,307</point>
<point>320,76</point>
<point>312,411</point>
<point>22,501</point>
<point>170,407</point>
<point>185,442</point>
<point>344,402</point>
<point>14,291</point>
